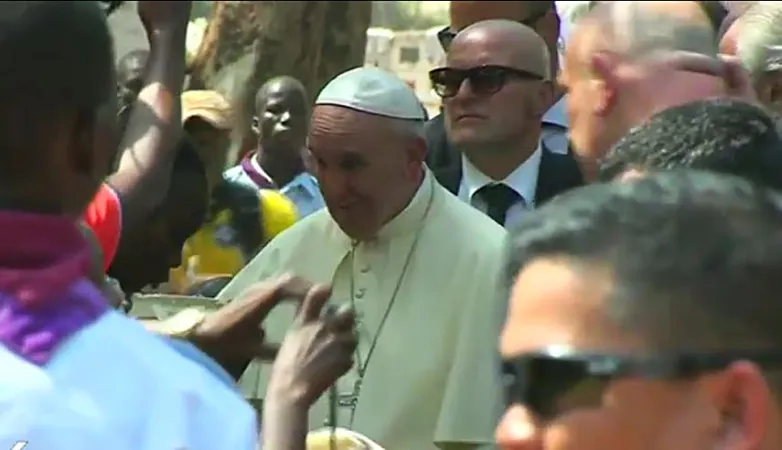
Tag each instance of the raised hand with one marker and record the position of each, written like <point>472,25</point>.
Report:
<point>164,16</point>
<point>317,350</point>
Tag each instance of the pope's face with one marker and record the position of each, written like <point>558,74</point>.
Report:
<point>361,166</point>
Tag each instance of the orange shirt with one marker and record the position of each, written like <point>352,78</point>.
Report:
<point>104,217</point>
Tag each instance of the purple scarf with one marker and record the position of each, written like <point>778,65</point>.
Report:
<point>261,180</point>
<point>45,295</point>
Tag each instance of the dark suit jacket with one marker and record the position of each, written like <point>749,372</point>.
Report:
<point>558,173</point>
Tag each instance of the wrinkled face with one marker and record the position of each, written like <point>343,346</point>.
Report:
<point>282,116</point>
<point>363,165</point>
<point>555,307</point>
<point>487,109</point>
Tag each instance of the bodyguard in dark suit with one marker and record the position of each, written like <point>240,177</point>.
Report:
<point>496,87</point>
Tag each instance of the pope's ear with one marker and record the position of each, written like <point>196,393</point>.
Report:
<point>416,152</point>
<point>603,83</point>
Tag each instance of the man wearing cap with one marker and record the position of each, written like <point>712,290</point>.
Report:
<point>417,265</point>
<point>241,218</point>
<point>208,118</point>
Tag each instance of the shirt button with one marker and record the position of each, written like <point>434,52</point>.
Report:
<point>365,269</point>
<point>360,293</point>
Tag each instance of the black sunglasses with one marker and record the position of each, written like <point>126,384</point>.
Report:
<point>446,35</point>
<point>484,80</point>
<point>554,381</point>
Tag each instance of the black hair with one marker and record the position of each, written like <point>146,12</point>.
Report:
<point>60,63</point>
<point>694,258</point>
<point>721,135</point>
<point>290,84</point>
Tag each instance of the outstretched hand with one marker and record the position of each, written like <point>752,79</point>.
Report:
<point>233,335</point>
<point>316,352</point>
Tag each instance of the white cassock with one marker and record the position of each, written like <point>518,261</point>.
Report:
<point>425,291</point>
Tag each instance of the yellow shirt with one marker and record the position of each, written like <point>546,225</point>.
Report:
<point>432,378</point>
<point>217,252</point>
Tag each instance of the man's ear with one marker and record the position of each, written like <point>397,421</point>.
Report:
<point>416,155</point>
<point>602,83</point>
<point>745,402</point>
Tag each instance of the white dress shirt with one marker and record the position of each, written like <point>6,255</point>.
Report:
<point>523,180</point>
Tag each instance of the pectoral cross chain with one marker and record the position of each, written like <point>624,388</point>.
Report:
<point>350,399</point>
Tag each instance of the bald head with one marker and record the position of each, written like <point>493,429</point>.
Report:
<point>645,29</point>
<point>521,45</point>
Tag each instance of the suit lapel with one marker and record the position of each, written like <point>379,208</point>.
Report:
<point>557,173</point>
<point>450,176</point>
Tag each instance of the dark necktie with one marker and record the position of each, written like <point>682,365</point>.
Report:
<point>499,198</point>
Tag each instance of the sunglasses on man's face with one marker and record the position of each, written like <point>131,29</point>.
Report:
<point>555,381</point>
<point>484,80</point>
<point>446,35</point>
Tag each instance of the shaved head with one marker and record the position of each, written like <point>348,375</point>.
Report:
<point>525,49</point>
<point>284,85</point>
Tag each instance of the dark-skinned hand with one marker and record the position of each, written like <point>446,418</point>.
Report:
<point>233,335</point>
<point>164,16</point>
<point>316,352</point>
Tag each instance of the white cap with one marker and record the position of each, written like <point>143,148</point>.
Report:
<point>374,91</point>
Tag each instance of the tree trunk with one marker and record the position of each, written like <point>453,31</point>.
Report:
<point>248,42</point>
<point>344,41</point>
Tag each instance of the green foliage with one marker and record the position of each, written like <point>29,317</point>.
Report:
<point>405,15</point>
<point>200,9</point>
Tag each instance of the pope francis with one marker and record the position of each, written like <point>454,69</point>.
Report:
<point>418,266</point>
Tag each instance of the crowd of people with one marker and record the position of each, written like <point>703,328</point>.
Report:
<point>581,251</point>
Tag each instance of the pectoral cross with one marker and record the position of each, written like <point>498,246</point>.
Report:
<point>350,400</point>
<point>344,400</point>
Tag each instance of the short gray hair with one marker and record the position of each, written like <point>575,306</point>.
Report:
<point>640,32</point>
<point>414,129</point>
<point>759,40</point>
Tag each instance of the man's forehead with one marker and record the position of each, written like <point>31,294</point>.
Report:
<point>494,45</point>
<point>332,120</point>
<point>555,302</point>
